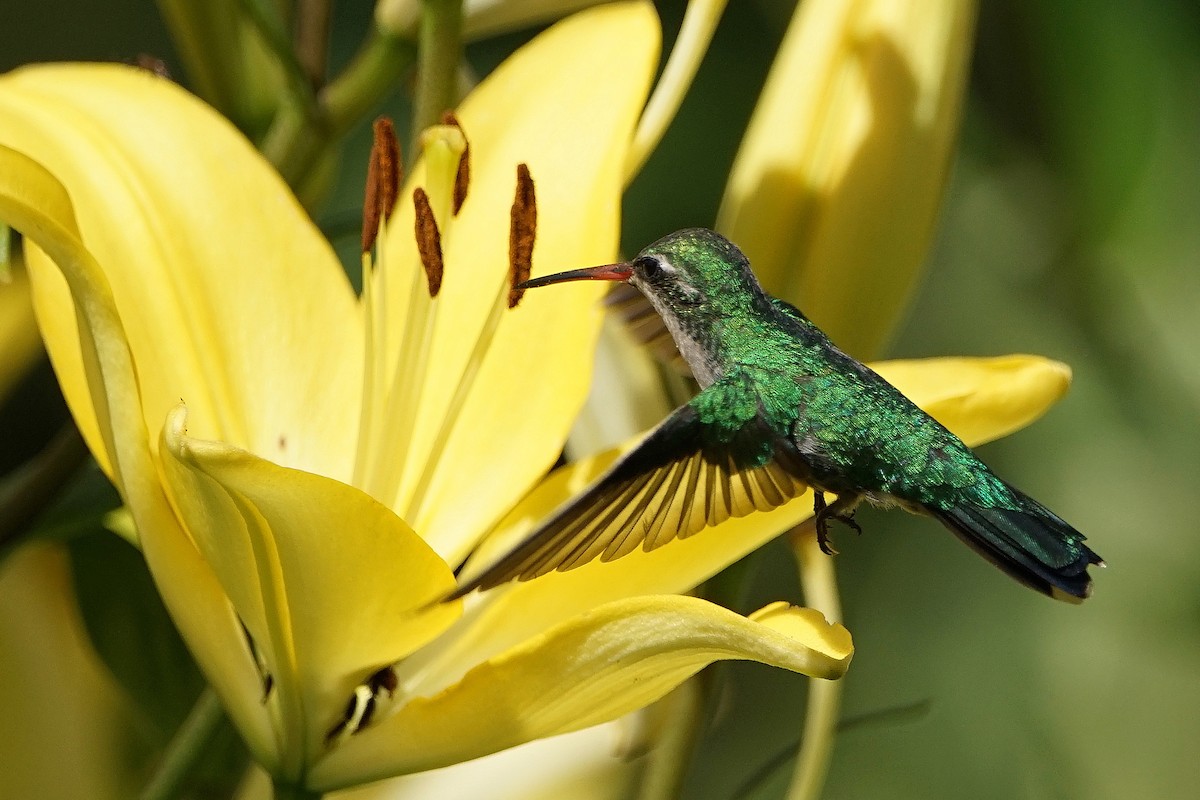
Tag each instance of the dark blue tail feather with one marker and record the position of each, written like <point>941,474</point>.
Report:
<point>1033,545</point>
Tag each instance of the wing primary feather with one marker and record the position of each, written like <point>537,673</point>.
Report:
<point>614,511</point>
<point>683,496</point>
<point>748,499</point>
<point>657,533</point>
<point>568,531</point>
<point>672,485</point>
<point>689,519</point>
<point>725,494</point>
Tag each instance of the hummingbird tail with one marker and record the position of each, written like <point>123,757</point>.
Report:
<point>1033,545</point>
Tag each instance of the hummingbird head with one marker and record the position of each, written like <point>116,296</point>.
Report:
<point>696,279</point>
<point>696,271</point>
<point>690,272</point>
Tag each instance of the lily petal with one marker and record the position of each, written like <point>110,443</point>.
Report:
<point>583,765</point>
<point>980,399</point>
<point>34,203</point>
<point>529,110</point>
<point>229,296</point>
<point>330,583</point>
<point>846,157</point>
<point>590,669</point>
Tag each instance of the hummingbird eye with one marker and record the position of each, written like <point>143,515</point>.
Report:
<point>653,268</point>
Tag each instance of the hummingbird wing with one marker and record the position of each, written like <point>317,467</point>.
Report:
<point>646,326</point>
<point>677,481</point>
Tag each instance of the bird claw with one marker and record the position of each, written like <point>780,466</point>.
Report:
<point>823,539</point>
<point>824,513</point>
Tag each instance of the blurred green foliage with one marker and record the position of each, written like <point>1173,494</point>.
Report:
<point>1071,228</point>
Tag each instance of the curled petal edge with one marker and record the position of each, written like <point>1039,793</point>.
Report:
<point>34,202</point>
<point>590,669</point>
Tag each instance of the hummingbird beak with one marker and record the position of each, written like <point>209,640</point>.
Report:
<point>607,272</point>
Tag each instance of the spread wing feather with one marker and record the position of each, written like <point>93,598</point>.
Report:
<point>672,485</point>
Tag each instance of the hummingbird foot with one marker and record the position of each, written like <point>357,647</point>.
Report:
<point>842,510</point>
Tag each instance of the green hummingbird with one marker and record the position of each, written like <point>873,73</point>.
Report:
<point>781,409</point>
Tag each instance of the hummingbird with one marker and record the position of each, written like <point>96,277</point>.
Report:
<point>780,409</point>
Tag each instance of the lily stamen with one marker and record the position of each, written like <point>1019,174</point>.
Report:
<point>443,147</point>
<point>521,233</point>
<point>384,173</point>
<point>359,710</point>
<point>363,703</point>
<point>462,177</point>
<point>383,180</point>
<point>429,240</point>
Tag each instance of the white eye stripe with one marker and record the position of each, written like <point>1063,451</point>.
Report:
<point>656,267</point>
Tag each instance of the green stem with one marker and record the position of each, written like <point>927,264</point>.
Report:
<point>312,38</point>
<point>681,715</point>
<point>187,748</point>
<point>296,137</point>
<point>35,485</point>
<point>819,582</point>
<point>372,73</point>
<point>270,26</point>
<point>295,142</point>
<point>301,134</point>
<point>441,52</point>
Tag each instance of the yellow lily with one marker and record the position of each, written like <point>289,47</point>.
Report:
<point>835,188</point>
<point>57,695</point>
<point>170,263</point>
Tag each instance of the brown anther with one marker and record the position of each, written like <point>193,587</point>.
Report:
<point>385,680</point>
<point>429,240</point>
<point>522,231</point>
<point>383,181</point>
<point>463,177</point>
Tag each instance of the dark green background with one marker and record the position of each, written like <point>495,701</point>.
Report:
<point>1070,229</point>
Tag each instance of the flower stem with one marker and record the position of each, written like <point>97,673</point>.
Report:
<point>819,582</point>
<point>373,72</point>
<point>271,28</point>
<point>302,132</point>
<point>32,487</point>
<point>312,38</point>
<point>682,717</point>
<point>699,22</point>
<point>441,51</point>
<point>186,748</point>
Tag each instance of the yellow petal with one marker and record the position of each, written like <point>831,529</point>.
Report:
<point>835,189</point>
<point>331,584</point>
<point>566,105</point>
<point>980,399</point>
<point>107,408</point>
<point>19,341</point>
<point>590,669</point>
<point>57,695</point>
<point>229,296</point>
<point>584,765</point>
<point>35,204</point>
